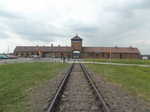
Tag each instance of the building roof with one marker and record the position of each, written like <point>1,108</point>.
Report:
<point>111,49</point>
<point>76,38</point>
<point>42,48</point>
<point>69,49</point>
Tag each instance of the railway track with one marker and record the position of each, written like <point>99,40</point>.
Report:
<point>78,93</point>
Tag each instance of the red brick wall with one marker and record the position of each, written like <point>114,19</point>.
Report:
<point>84,55</point>
<point>113,55</point>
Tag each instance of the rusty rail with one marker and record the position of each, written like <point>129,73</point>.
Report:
<point>55,101</point>
<point>103,105</point>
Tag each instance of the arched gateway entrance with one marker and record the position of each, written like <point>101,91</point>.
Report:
<point>76,54</point>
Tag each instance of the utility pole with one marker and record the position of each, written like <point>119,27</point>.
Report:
<point>110,54</point>
<point>8,50</point>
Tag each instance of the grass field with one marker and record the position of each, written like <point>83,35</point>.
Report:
<point>15,79</point>
<point>125,61</point>
<point>134,79</point>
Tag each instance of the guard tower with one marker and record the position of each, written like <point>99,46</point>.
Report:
<point>76,45</point>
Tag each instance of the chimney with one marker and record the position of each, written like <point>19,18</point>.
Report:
<point>116,46</point>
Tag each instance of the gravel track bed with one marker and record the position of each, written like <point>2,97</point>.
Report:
<point>118,99</point>
<point>40,96</point>
<point>78,96</point>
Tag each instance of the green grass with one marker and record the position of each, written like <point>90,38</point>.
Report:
<point>16,79</point>
<point>135,80</point>
<point>125,61</point>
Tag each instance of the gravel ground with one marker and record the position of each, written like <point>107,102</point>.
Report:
<point>118,99</point>
<point>78,96</point>
<point>39,97</point>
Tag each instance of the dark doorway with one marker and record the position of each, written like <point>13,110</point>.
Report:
<point>120,56</point>
<point>76,54</point>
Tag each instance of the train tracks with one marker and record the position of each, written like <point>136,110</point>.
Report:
<point>78,93</point>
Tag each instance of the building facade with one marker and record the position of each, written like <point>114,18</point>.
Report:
<point>77,50</point>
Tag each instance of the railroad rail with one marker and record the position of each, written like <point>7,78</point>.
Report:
<point>104,106</point>
<point>55,102</point>
<point>56,99</point>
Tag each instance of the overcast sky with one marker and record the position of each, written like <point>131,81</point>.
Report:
<point>99,22</point>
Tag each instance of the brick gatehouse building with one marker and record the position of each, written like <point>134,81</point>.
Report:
<point>78,51</point>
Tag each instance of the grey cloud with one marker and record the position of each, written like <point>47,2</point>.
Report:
<point>143,4</point>
<point>7,14</point>
<point>4,29</point>
<point>128,9</point>
<point>3,35</point>
<point>27,29</point>
<point>85,28</point>
<point>33,31</point>
<point>126,18</point>
<point>111,31</point>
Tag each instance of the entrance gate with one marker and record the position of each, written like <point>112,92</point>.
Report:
<point>76,54</point>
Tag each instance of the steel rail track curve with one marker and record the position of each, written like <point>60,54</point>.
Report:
<point>56,99</point>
